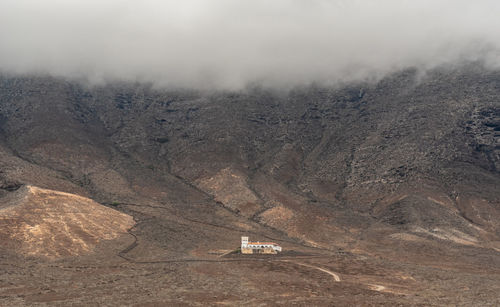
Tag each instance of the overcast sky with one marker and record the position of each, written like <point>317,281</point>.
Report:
<point>228,43</point>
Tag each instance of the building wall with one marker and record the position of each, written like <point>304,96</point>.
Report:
<point>265,250</point>
<point>257,247</point>
<point>247,251</point>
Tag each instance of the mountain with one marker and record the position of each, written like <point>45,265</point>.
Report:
<point>392,185</point>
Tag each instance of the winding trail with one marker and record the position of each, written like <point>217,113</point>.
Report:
<point>335,276</point>
<point>377,288</point>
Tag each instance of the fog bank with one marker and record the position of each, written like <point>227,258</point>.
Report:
<point>228,43</point>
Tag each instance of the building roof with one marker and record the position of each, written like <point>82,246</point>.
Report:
<point>262,243</point>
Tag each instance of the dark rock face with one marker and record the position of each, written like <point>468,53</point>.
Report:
<point>330,145</point>
<point>349,146</point>
<point>350,166</point>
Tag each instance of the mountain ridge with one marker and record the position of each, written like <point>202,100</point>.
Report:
<point>403,171</point>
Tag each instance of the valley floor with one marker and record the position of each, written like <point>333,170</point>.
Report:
<point>304,277</point>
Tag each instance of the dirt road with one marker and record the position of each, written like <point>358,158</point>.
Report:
<point>335,276</point>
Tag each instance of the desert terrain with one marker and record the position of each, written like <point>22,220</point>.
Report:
<point>380,193</point>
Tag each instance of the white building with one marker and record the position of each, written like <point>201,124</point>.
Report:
<point>258,247</point>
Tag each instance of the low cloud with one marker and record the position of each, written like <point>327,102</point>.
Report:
<point>229,43</point>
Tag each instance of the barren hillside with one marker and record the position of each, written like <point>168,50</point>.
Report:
<point>394,186</point>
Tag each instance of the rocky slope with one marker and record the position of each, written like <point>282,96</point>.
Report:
<point>40,222</point>
<point>404,168</point>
